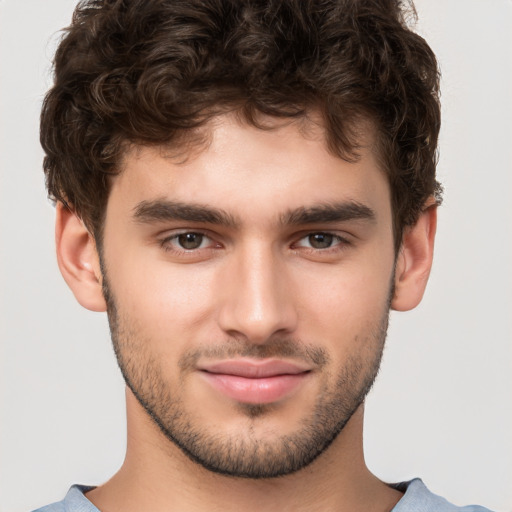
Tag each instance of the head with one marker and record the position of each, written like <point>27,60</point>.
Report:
<point>252,179</point>
<point>152,73</point>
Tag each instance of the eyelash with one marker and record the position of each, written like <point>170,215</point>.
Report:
<point>339,243</point>
<point>167,245</point>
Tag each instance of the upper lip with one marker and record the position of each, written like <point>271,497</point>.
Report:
<point>254,369</point>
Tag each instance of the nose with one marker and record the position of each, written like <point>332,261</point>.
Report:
<point>257,300</point>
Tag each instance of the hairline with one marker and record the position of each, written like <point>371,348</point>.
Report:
<point>190,142</point>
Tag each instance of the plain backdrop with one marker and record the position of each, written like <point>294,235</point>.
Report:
<point>441,408</point>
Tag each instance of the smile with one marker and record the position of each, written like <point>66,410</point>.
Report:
<point>255,382</point>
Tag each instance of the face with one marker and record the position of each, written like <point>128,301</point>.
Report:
<point>248,290</point>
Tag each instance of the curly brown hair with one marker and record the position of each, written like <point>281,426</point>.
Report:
<point>150,71</point>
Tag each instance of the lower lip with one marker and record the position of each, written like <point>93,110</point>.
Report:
<point>256,391</point>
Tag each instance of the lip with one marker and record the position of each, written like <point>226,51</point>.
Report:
<point>255,382</point>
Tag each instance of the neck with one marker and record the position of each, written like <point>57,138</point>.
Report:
<point>158,479</point>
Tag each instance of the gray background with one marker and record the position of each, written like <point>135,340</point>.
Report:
<point>441,408</point>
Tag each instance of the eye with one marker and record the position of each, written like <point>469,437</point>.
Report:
<point>320,241</point>
<point>188,241</point>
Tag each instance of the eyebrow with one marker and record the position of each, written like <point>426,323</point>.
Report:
<point>330,212</point>
<point>166,210</point>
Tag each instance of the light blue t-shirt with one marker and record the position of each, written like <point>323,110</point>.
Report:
<point>417,498</point>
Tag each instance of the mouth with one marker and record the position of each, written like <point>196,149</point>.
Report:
<point>255,381</point>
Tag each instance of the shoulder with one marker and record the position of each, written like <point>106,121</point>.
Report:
<point>418,498</point>
<point>75,501</point>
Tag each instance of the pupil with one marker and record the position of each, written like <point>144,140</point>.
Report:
<point>190,240</point>
<point>320,240</point>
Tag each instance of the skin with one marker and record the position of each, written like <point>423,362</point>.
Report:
<point>253,282</point>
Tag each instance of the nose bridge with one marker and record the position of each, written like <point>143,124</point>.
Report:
<point>257,301</point>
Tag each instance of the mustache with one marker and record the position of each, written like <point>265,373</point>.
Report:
<point>236,348</point>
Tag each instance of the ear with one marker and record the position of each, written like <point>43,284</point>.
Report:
<point>78,259</point>
<point>415,261</point>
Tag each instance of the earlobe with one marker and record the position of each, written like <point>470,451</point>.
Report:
<point>415,261</point>
<point>78,259</point>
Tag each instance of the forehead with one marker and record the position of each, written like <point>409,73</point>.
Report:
<point>281,165</point>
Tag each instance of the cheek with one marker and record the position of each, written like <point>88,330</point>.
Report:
<point>168,291</point>
<point>345,295</point>
<point>346,310</point>
<point>160,301</point>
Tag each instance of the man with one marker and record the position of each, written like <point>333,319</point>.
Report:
<point>246,188</point>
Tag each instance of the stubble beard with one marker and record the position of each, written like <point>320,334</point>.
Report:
<point>245,455</point>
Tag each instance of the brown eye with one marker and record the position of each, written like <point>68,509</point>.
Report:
<point>320,240</point>
<point>190,241</point>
